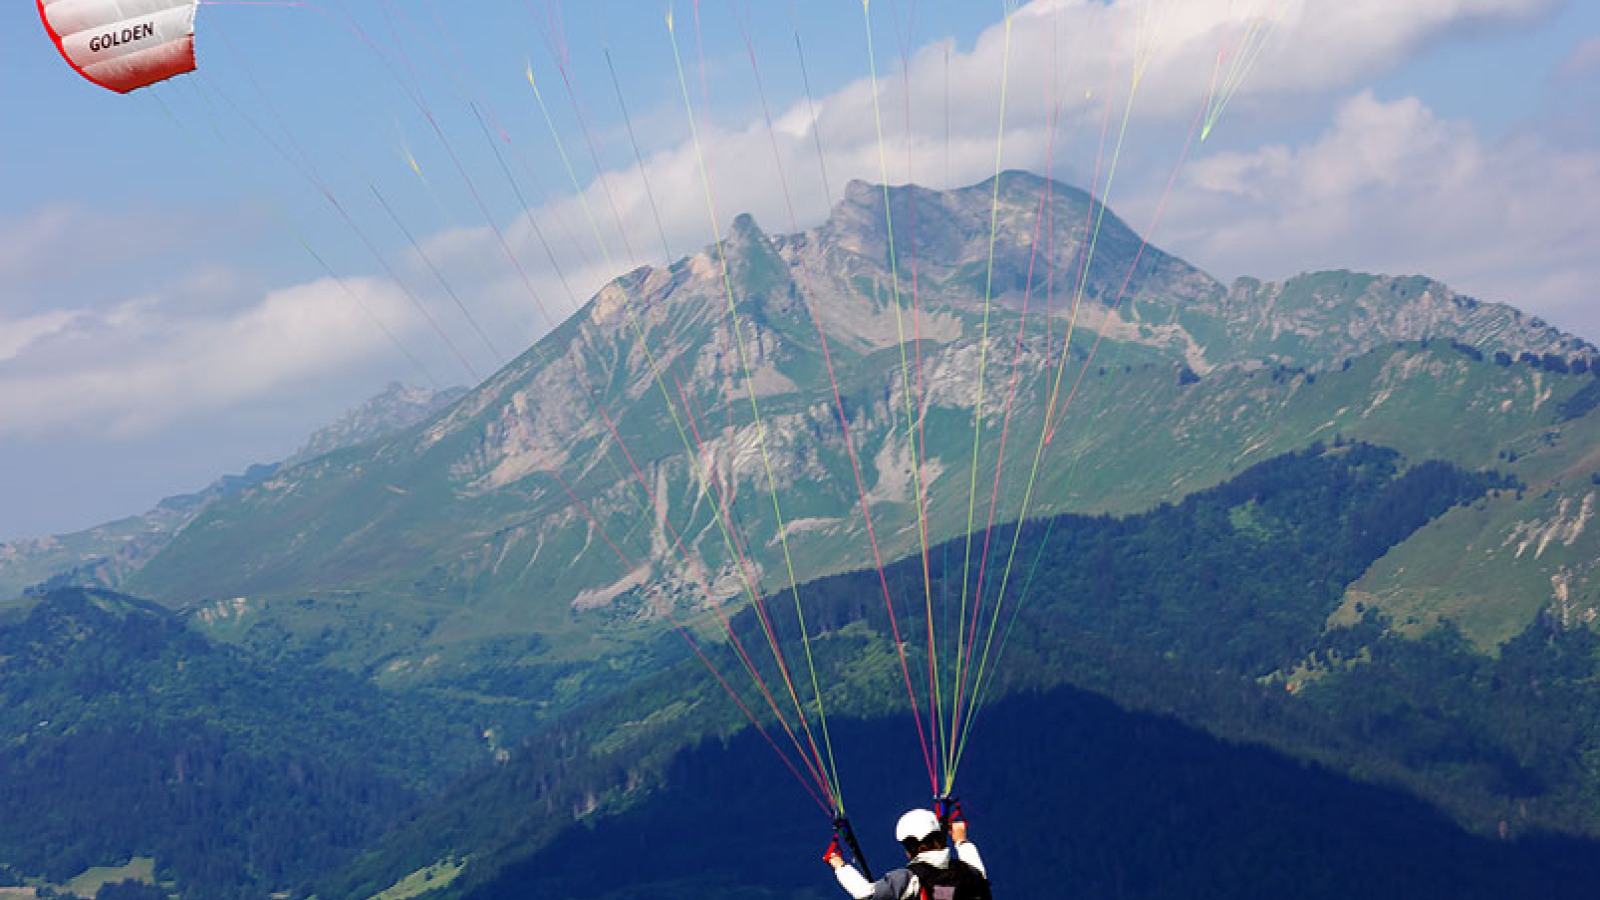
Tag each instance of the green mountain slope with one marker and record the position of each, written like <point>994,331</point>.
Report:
<point>108,554</point>
<point>105,555</point>
<point>1494,567</point>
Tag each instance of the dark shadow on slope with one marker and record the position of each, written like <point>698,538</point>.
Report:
<point>1069,796</point>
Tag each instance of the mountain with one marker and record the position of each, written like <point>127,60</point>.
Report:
<point>106,555</point>
<point>465,537</point>
<point>393,410</point>
<point>1344,516</point>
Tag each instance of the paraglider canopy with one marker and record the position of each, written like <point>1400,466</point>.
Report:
<point>123,45</point>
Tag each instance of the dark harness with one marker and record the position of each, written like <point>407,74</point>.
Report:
<point>958,881</point>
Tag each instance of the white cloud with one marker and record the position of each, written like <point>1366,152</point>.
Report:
<point>17,335</point>
<point>68,254</point>
<point>138,367</point>
<point>1391,187</point>
<point>1069,54</point>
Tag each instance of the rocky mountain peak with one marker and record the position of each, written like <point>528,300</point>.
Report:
<point>397,407</point>
<point>744,230</point>
<point>856,222</point>
<point>861,193</point>
<point>747,247</point>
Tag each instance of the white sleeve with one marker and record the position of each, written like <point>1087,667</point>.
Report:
<point>897,885</point>
<point>968,852</point>
<point>853,882</point>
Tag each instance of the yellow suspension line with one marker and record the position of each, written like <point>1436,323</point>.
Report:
<point>1049,417</point>
<point>977,416</point>
<point>701,476</point>
<point>911,418</point>
<point>755,409</point>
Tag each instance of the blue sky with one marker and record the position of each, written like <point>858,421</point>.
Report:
<point>163,319</point>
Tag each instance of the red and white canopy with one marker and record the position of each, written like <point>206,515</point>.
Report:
<point>123,44</point>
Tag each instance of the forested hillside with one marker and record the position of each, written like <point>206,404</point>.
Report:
<point>1203,610</point>
<point>125,733</point>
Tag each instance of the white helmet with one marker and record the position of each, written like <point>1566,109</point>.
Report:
<point>916,825</point>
